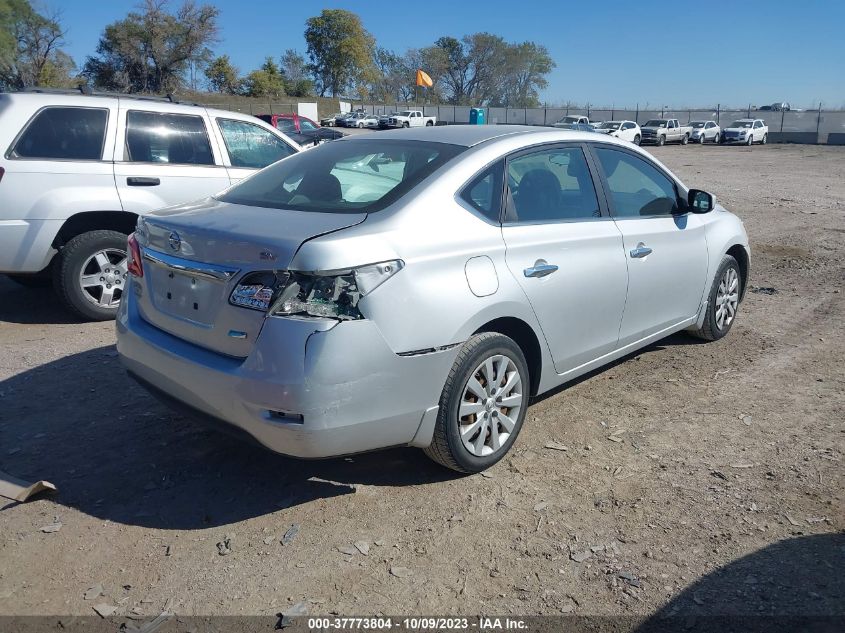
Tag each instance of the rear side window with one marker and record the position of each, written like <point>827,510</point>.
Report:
<point>484,192</point>
<point>252,146</point>
<point>357,176</point>
<point>64,133</point>
<point>153,137</point>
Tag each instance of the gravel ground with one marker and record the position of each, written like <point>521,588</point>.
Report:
<point>697,478</point>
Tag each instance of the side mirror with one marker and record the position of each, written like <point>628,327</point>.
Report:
<point>701,201</point>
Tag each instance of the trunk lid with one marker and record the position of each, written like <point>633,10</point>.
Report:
<point>194,255</point>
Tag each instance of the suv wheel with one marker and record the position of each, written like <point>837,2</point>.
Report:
<point>701,138</point>
<point>637,139</point>
<point>765,139</point>
<point>723,302</point>
<point>717,139</point>
<point>482,406</point>
<point>661,141</point>
<point>90,274</point>
<point>750,140</point>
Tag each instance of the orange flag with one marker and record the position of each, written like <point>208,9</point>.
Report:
<point>423,79</point>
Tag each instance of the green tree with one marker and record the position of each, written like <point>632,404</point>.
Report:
<point>295,71</point>
<point>267,81</point>
<point>222,76</point>
<point>340,50</point>
<point>30,48</point>
<point>151,50</point>
<point>525,68</point>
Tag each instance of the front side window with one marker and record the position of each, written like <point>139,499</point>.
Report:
<point>551,185</point>
<point>358,176</point>
<point>176,139</point>
<point>484,192</point>
<point>64,133</point>
<point>636,187</point>
<point>252,146</point>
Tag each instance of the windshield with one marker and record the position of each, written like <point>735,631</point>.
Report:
<point>656,123</point>
<point>610,125</point>
<point>696,124</point>
<point>742,124</point>
<point>349,177</point>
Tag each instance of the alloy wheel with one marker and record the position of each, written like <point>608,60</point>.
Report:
<point>490,406</point>
<point>727,298</point>
<point>103,277</point>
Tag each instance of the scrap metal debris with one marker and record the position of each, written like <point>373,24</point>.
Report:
<point>20,490</point>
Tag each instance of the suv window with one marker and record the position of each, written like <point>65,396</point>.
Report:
<point>636,187</point>
<point>551,185</point>
<point>153,137</point>
<point>250,145</point>
<point>286,125</point>
<point>64,133</point>
<point>484,192</point>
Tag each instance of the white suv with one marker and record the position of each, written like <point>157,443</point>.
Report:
<point>77,170</point>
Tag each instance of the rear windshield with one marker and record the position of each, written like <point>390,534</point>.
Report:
<point>358,176</point>
<point>656,123</point>
<point>697,124</point>
<point>742,123</point>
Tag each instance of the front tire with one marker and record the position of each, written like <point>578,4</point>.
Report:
<point>723,302</point>
<point>90,274</point>
<point>750,140</point>
<point>661,141</point>
<point>406,124</point>
<point>701,139</point>
<point>483,404</point>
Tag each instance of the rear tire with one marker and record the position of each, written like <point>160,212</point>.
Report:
<point>685,139</point>
<point>637,140</point>
<point>429,123</point>
<point>717,324</point>
<point>99,257</point>
<point>717,139</point>
<point>765,139</point>
<point>478,439</point>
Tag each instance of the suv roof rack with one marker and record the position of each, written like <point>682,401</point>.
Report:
<point>85,89</point>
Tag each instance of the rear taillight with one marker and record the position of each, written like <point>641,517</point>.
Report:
<point>134,265</point>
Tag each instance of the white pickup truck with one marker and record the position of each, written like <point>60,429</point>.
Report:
<point>411,118</point>
<point>662,131</point>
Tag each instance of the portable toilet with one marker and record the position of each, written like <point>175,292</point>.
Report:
<point>476,116</point>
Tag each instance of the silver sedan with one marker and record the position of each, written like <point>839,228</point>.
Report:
<point>419,286</point>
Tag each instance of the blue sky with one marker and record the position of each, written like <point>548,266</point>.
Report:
<point>610,53</point>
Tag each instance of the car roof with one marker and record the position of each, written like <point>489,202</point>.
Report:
<point>471,135</point>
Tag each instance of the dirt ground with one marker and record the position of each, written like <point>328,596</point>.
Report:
<point>698,478</point>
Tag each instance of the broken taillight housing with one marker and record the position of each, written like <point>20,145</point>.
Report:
<point>333,295</point>
<point>134,265</point>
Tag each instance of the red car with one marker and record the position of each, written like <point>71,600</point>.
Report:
<point>301,129</point>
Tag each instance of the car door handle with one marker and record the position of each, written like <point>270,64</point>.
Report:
<point>142,181</point>
<point>539,269</point>
<point>641,251</point>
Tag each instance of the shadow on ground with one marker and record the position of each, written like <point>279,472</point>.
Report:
<point>19,304</point>
<point>796,585</point>
<point>116,453</point>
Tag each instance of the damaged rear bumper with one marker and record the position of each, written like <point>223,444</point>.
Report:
<point>309,388</point>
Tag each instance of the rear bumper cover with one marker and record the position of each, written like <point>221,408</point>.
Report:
<point>26,246</point>
<point>309,388</point>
